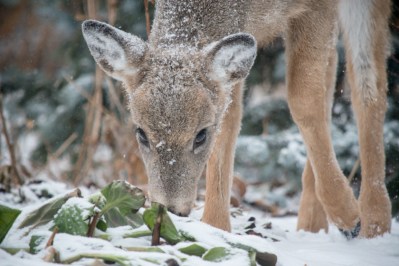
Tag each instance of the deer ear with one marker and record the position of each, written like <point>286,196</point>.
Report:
<point>230,59</point>
<point>117,52</point>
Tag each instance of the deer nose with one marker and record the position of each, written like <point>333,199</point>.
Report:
<point>177,211</point>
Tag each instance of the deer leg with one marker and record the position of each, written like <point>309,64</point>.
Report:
<point>309,40</point>
<point>219,171</point>
<point>368,81</point>
<point>311,215</point>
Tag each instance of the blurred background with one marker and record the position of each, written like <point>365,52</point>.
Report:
<point>63,120</point>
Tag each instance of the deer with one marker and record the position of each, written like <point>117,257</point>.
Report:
<point>184,88</point>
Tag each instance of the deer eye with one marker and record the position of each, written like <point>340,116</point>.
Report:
<point>142,137</point>
<point>200,138</point>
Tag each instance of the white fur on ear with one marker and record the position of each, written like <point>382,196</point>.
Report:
<point>231,58</point>
<point>117,52</point>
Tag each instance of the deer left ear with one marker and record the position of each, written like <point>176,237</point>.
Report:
<point>230,59</point>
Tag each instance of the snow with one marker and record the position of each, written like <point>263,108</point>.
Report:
<point>291,247</point>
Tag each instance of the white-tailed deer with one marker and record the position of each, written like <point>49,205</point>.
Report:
<point>185,90</point>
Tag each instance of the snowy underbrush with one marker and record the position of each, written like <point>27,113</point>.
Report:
<point>56,230</point>
<point>113,225</point>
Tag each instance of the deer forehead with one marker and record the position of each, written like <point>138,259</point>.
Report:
<point>172,115</point>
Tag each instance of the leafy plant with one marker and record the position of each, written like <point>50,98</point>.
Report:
<point>7,218</point>
<point>122,201</point>
<point>46,212</point>
<point>194,250</point>
<point>216,254</point>
<point>35,243</point>
<point>168,230</point>
<point>73,217</point>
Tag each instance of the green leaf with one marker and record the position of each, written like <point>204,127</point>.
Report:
<point>101,225</point>
<point>46,212</point>
<point>35,243</point>
<point>7,218</point>
<point>123,196</point>
<point>122,202</point>
<point>252,257</point>
<point>168,229</point>
<point>216,254</point>
<point>194,250</point>
<point>73,217</point>
<point>114,218</point>
<point>262,258</point>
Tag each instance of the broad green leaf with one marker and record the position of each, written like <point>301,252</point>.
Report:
<point>114,218</point>
<point>45,213</point>
<point>187,236</point>
<point>73,217</point>
<point>7,218</point>
<point>123,196</point>
<point>194,249</point>
<point>35,243</point>
<point>168,229</point>
<point>216,254</point>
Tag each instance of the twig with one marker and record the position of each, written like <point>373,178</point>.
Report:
<point>354,170</point>
<point>156,233</point>
<point>114,97</point>
<point>50,255</point>
<point>81,91</point>
<point>147,17</point>
<point>10,145</point>
<point>51,239</point>
<point>112,5</point>
<point>93,118</point>
<point>65,145</point>
<point>92,225</point>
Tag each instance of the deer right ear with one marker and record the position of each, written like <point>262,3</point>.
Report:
<point>117,52</point>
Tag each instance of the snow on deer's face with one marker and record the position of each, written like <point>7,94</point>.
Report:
<point>176,120</point>
<point>177,97</point>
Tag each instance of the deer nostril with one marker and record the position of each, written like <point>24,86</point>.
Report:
<point>179,213</point>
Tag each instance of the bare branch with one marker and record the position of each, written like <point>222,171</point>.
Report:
<point>10,145</point>
<point>51,239</point>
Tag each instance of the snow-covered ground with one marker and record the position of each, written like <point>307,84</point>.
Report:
<point>279,236</point>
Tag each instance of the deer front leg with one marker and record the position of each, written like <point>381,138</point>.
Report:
<point>219,171</point>
<point>311,215</point>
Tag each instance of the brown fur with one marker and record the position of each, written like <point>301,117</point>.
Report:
<point>189,77</point>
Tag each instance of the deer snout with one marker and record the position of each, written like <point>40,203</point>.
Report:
<point>184,212</point>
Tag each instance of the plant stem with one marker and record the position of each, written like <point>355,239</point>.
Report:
<point>93,224</point>
<point>156,233</point>
<point>51,239</point>
<point>10,145</point>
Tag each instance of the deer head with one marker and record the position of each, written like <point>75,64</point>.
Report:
<point>177,97</point>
